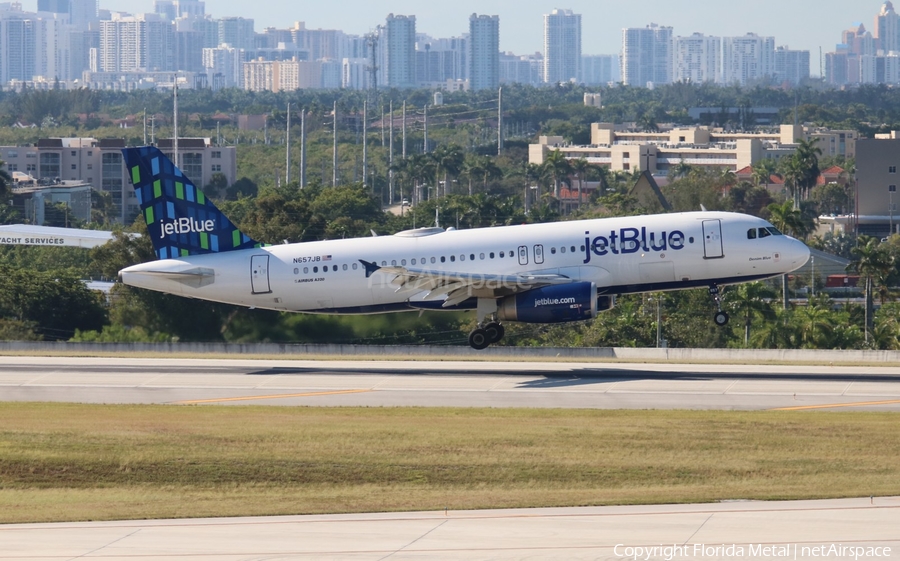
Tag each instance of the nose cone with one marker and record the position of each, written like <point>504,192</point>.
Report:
<point>797,253</point>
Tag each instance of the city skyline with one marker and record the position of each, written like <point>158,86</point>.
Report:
<point>799,26</point>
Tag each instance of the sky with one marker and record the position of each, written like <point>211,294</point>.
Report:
<point>799,24</point>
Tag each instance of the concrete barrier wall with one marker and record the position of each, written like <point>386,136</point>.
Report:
<point>443,352</point>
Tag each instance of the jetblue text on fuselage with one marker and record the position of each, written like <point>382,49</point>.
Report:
<point>185,226</point>
<point>631,240</point>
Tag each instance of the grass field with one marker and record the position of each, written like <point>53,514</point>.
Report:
<point>61,462</point>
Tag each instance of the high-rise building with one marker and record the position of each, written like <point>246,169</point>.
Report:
<point>791,67</point>
<point>562,46</point>
<point>646,55</point>
<point>440,60</point>
<point>697,59</point>
<point>129,43</point>
<point>399,44</point>
<point>887,28</point>
<point>190,8</point>
<point>165,9</point>
<point>53,6</point>
<point>521,69</point>
<point>484,52</point>
<point>17,44</point>
<point>747,59</point>
<point>223,66</point>
<point>600,69</point>
<point>237,32</point>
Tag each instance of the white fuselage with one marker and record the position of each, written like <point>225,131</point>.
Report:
<point>658,252</point>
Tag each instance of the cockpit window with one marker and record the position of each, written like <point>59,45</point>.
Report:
<point>774,231</point>
<point>763,232</point>
<point>751,234</point>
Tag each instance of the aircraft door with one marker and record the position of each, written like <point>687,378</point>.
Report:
<point>712,239</point>
<point>523,255</point>
<point>259,274</point>
<point>539,254</point>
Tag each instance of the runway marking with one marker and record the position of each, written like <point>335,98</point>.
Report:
<point>828,406</point>
<point>275,396</point>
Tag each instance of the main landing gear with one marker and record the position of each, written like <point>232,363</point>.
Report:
<point>489,334</point>
<point>721,317</point>
<point>486,333</point>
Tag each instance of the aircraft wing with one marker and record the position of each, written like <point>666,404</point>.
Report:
<point>456,287</point>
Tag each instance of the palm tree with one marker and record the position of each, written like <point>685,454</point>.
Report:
<point>580,168</point>
<point>448,158</point>
<point>762,172</point>
<point>789,219</point>
<point>558,169</point>
<point>471,168</point>
<point>489,170</point>
<point>681,169</point>
<point>751,300</point>
<point>870,261</point>
<point>815,323</point>
<point>807,158</point>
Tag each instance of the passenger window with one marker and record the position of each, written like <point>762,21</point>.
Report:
<point>572,249</point>
<point>481,256</point>
<point>403,262</point>
<point>562,249</point>
<point>334,268</point>
<point>296,271</point>
<point>492,255</point>
<point>511,254</point>
<point>582,247</point>
<point>462,257</point>
<point>453,259</point>
<point>393,262</point>
<point>384,263</point>
<point>305,270</point>
<point>432,259</point>
<point>502,255</point>
<point>553,251</point>
<point>344,266</point>
<point>443,259</point>
<point>354,266</point>
<point>413,262</point>
<point>315,269</point>
<point>751,234</point>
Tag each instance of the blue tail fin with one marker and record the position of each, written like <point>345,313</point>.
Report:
<point>180,219</point>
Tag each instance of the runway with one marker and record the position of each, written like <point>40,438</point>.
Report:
<point>450,384</point>
<point>833,529</point>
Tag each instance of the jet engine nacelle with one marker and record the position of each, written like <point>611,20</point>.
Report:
<point>551,304</point>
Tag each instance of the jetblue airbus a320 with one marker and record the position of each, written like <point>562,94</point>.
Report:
<point>536,273</point>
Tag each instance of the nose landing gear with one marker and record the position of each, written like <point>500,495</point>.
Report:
<point>721,316</point>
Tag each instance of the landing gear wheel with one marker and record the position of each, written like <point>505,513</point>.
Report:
<point>721,318</point>
<point>495,331</point>
<point>479,339</point>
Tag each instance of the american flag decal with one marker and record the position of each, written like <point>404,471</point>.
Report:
<point>326,258</point>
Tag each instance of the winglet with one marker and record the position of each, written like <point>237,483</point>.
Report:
<point>370,267</point>
<point>180,219</point>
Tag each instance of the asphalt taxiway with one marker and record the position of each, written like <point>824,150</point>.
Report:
<point>456,384</point>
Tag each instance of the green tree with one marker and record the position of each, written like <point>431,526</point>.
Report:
<point>558,169</point>
<point>751,300</point>
<point>871,262</point>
